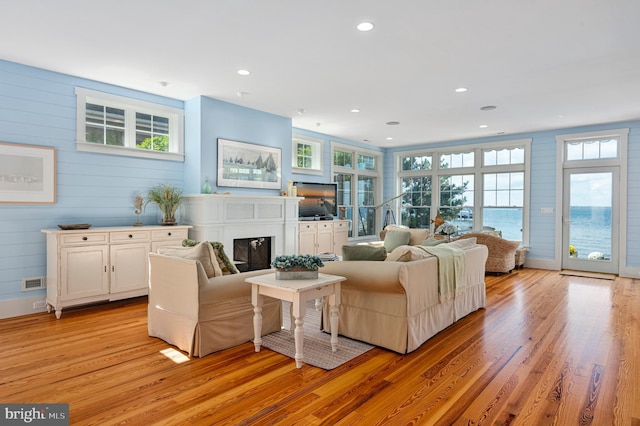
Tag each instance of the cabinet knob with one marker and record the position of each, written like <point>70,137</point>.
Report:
<point>84,238</point>
<point>169,233</point>
<point>130,236</point>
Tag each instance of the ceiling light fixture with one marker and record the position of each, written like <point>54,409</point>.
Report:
<point>300,111</point>
<point>365,26</point>
<point>242,94</point>
<point>355,110</point>
<point>243,72</point>
<point>461,89</point>
<point>483,126</point>
<point>488,108</point>
<point>163,83</point>
<point>389,138</point>
<point>392,123</point>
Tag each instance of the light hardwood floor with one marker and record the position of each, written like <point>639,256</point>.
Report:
<point>548,349</point>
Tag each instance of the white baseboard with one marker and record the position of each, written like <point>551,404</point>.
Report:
<point>551,265</point>
<point>23,306</point>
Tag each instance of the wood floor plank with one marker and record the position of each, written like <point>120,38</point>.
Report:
<point>547,349</point>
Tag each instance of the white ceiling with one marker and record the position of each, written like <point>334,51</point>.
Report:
<point>545,64</point>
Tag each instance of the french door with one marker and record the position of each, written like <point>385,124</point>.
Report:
<point>590,216</point>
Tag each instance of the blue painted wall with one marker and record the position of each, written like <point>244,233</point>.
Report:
<point>208,119</point>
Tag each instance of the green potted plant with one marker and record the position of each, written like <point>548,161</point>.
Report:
<point>297,266</point>
<point>168,198</point>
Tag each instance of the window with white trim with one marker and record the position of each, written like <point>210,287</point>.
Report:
<point>307,155</point>
<point>359,187</point>
<point>478,187</point>
<point>114,124</point>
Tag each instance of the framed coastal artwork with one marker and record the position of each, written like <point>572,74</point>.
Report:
<point>27,174</point>
<point>246,165</point>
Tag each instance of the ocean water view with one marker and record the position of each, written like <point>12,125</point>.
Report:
<point>590,227</point>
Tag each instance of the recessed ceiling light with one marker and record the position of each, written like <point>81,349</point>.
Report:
<point>389,138</point>
<point>355,110</point>
<point>365,26</point>
<point>392,123</point>
<point>242,94</point>
<point>300,111</point>
<point>243,72</point>
<point>488,108</point>
<point>483,126</point>
<point>163,83</point>
<point>461,89</point>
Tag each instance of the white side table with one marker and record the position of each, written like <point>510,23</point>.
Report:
<point>297,292</point>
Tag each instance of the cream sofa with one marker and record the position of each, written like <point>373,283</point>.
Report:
<point>396,305</point>
<point>199,310</point>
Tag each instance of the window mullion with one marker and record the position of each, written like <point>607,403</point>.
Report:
<point>130,128</point>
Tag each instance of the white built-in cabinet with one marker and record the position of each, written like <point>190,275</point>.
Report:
<point>102,264</point>
<point>325,236</point>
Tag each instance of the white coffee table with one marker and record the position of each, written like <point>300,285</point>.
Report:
<point>297,292</point>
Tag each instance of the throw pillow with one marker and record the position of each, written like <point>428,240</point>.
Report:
<point>396,238</point>
<point>407,254</point>
<point>463,243</point>
<point>202,252</point>
<point>418,235</point>
<point>363,252</point>
<point>226,265</point>
<point>399,254</point>
<point>430,242</point>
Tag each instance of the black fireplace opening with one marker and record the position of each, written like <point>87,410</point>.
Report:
<point>252,254</point>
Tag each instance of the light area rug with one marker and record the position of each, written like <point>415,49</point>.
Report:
<point>317,344</point>
<point>588,274</point>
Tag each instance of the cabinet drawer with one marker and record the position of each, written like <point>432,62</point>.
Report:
<point>169,234</point>
<point>307,227</point>
<point>325,226</point>
<point>90,238</point>
<point>124,236</point>
<point>341,225</point>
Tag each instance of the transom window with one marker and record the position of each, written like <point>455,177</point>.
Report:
<point>116,125</point>
<point>499,157</point>
<point>591,149</point>
<point>416,162</point>
<point>457,160</point>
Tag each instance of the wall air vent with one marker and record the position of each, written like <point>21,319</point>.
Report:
<point>33,283</point>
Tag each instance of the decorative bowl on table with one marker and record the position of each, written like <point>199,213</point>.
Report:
<point>75,226</point>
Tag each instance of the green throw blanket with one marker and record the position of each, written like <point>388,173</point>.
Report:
<point>451,270</point>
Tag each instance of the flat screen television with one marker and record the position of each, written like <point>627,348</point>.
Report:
<point>320,200</point>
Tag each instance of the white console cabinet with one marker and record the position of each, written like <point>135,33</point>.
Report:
<point>325,236</point>
<point>102,264</point>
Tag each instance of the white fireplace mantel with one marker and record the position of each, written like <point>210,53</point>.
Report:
<point>225,217</point>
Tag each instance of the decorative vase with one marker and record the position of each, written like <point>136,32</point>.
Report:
<point>206,187</point>
<point>296,274</point>
<point>168,221</point>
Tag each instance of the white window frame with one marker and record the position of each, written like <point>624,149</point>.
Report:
<point>316,154</point>
<point>478,170</point>
<point>131,107</point>
<point>355,172</point>
<point>622,135</point>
